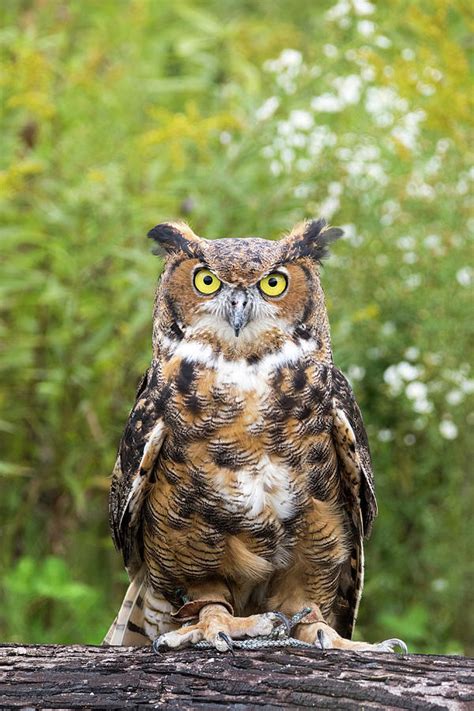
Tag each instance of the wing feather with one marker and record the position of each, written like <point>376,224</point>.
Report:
<point>133,473</point>
<point>357,485</point>
<point>352,447</point>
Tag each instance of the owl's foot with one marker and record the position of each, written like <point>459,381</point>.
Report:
<point>218,628</point>
<point>324,637</point>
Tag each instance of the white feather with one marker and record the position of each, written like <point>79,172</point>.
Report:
<point>266,485</point>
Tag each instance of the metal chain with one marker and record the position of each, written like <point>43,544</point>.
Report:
<point>259,643</point>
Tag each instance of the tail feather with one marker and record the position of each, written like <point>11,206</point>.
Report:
<point>127,629</point>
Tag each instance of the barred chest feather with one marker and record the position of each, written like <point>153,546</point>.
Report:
<point>246,435</point>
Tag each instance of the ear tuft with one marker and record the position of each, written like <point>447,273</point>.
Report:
<point>312,239</point>
<point>173,237</point>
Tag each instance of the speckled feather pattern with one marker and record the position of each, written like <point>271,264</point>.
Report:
<point>244,470</point>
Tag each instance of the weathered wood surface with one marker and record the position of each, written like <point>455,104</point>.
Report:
<point>54,677</point>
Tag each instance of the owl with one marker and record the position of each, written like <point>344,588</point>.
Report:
<point>243,486</point>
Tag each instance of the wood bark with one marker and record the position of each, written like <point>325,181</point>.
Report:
<point>56,677</point>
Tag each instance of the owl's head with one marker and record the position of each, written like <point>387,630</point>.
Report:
<point>238,291</point>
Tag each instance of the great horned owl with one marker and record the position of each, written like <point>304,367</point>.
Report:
<point>243,486</point>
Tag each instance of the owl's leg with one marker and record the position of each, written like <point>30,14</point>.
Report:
<point>219,627</point>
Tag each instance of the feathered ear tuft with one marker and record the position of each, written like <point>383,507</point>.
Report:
<point>174,237</point>
<point>311,239</point>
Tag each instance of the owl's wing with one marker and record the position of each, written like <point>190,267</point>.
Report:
<point>357,485</point>
<point>353,452</point>
<point>134,469</point>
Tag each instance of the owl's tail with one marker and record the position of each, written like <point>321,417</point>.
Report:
<point>127,629</point>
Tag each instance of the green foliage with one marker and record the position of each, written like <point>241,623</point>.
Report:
<point>39,594</point>
<point>242,118</point>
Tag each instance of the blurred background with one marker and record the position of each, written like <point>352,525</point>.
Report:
<point>242,118</point>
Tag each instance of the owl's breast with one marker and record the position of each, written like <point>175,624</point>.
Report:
<point>248,433</point>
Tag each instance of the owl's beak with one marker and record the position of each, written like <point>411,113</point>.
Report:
<point>238,310</point>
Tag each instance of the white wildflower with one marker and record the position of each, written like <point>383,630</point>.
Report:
<point>287,157</point>
<point>410,258</point>
<point>276,168</point>
<point>432,241</point>
<point>434,73</point>
<point>413,281</point>
<point>433,165</point>
<point>329,206</point>
<point>291,58</point>
<point>454,397</point>
<point>425,89</point>
<point>366,27</point>
<point>348,88</point>
<point>464,276</point>
<point>301,120</point>
<point>363,7</point>
<point>417,188</point>
<point>330,50</point>
<point>443,145</point>
<point>356,372</point>
<point>339,10</point>
<point>327,103</point>
<point>462,187</point>
<point>388,328</point>
<point>408,129</point>
<point>408,54</point>
<point>405,242</point>
<point>416,390</point>
<point>423,407</point>
<point>298,140</point>
<point>383,42</point>
<point>448,429</point>
<point>284,129</point>
<point>319,139</point>
<point>368,73</point>
<point>412,353</point>
<point>467,386</point>
<point>379,98</point>
<point>267,109</point>
<point>393,379</point>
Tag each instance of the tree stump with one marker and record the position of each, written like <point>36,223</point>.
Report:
<point>56,677</point>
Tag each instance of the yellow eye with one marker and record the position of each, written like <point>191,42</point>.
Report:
<point>206,282</point>
<point>274,284</point>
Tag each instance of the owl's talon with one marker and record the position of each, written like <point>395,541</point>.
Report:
<point>227,641</point>
<point>158,646</point>
<point>390,645</point>
<point>321,639</point>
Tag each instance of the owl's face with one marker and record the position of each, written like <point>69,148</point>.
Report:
<point>240,290</point>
